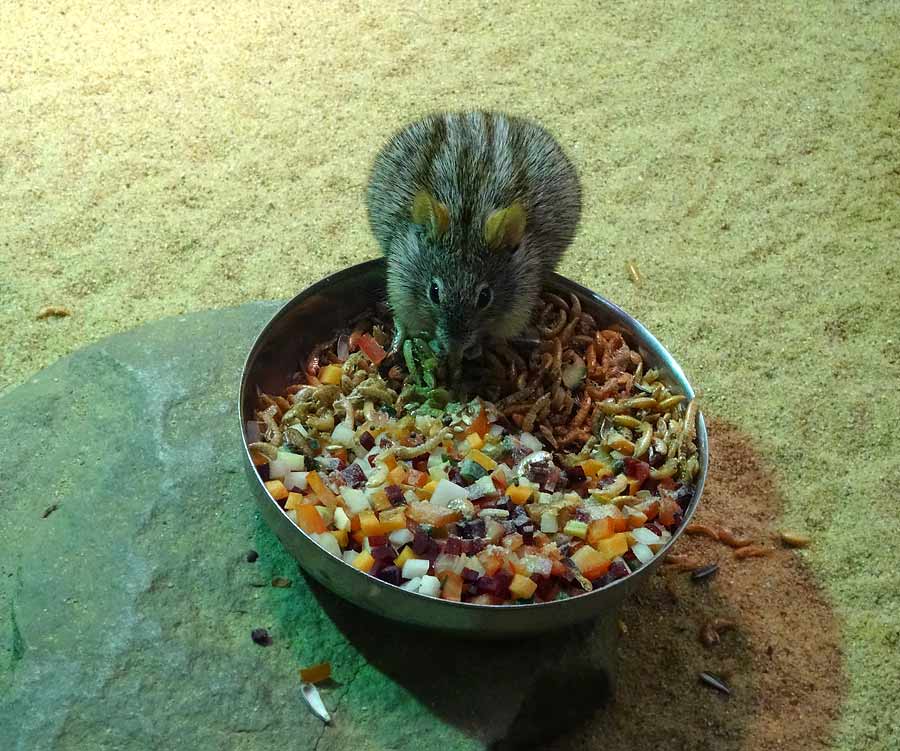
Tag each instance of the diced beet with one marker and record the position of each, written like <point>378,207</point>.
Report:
<point>497,585</point>
<point>354,476</point>
<point>678,519</point>
<point>476,545</point>
<point>635,469</point>
<point>469,575</point>
<point>527,533</point>
<point>383,552</point>
<point>394,494</point>
<point>654,527</point>
<point>371,460</point>
<point>471,590</point>
<point>618,570</point>
<point>453,546</point>
<point>575,475</point>
<point>472,529</point>
<point>384,442</point>
<point>455,476</point>
<point>263,471</point>
<point>602,581</point>
<point>629,556</point>
<point>377,541</point>
<point>366,440</point>
<point>390,574</point>
<point>421,464</point>
<point>582,515</point>
<point>547,588</point>
<point>420,542</point>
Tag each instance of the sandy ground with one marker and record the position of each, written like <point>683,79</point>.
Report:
<point>157,158</point>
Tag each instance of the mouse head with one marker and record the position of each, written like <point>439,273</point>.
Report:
<point>460,283</point>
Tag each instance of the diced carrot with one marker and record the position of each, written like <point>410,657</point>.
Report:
<point>593,467</point>
<point>479,425</point>
<point>371,349</point>
<point>667,510</point>
<point>363,561</point>
<point>390,461</point>
<point>258,459</point>
<point>426,512</point>
<point>397,476</point>
<point>634,486</point>
<point>636,520</point>
<point>483,459</point>
<point>416,478</point>
<point>519,494</point>
<point>600,529</point>
<point>518,567</point>
<point>404,556</point>
<point>620,524</point>
<point>309,520</point>
<point>521,587</point>
<point>492,564</point>
<point>393,519</point>
<point>277,490</point>
<point>341,454</point>
<point>499,479</point>
<point>652,510</point>
<point>590,561</point>
<point>359,536</point>
<point>614,546</point>
<point>322,493</point>
<point>331,374</point>
<point>427,489</point>
<point>452,589</point>
<point>512,542</point>
<point>341,536</point>
<point>294,501</point>
<point>474,440</point>
<point>354,523</point>
<point>380,501</point>
<point>316,673</point>
<point>369,524</point>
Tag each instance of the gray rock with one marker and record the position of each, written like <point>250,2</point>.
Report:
<point>125,614</point>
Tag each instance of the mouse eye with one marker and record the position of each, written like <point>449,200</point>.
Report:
<point>434,294</point>
<point>485,297</point>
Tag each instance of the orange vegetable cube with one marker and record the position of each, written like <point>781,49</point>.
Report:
<point>416,478</point>
<point>614,546</point>
<point>321,492</point>
<point>354,523</point>
<point>512,542</point>
<point>491,563</point>
<point>636,520</point>
<point>258,459</point>
<point>404,556</point>
<point>479,426</point>
<point>363,561</point>
<point>331,374</point>
<point>397,476</point>
<point>380,501</point>
<point>359,536</point>
<point>521,587</point>
<point>277,490</point>
<point>595,468</point>
<point>316,673</point>
<point>652,511</point>
<point>341,536</point>
<point>392,519</point>
<point>634,486</point>
<point>518,567</point>
<point>519,494</point>
<point>390,462</point>
<point>429,513</point>
<point>452,589</point>
<point>474,440</point>
<point>341,454</point>
<point>590,562</point>
<point>294,501</point>
<point>309,520</point>
<point>600,529</point>
<point>483,459</point>
<point>427,489</point>
<point>620,524</point>
<point>369,524</point>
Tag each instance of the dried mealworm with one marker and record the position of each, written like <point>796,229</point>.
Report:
<point>794,539</point>
<point>53,311</point>
<point>583,410</point>
<point>730,539</point>
<point>752,551</point>
<point>632,269</point>
<point>540,404</point>
<point>706,530</point>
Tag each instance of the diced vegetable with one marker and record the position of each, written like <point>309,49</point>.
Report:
<point>277,490</point>
<point>392,519</point>
<point>430,586</point>
<point>356,500</point>
<point>295,480</point>
<point>330,374</point>
<point>479,426</point>
<point>328,541</point>
<point>371,349</point>
<point>363,561</point>
<point>575,528</point>
<point>521,587</point>
<point>318,487</point>
<point>341,536</point>
<point>316,673</point>
<point>413,567</point>
<point>613,547</point>
<point>369,524</point>
<point>600,529</point>
<point>452,587</point>
<point>642,552</point>
<point>475,441</point>
<point>294,501</point>
<point>519,494</point>
<point>479,457</point>
<point>309,520</point>
<point>406,555</point>
<point>549,523</point>
<point>591,562</point>
<point>343,435</point>
<point>446,491</point>
<point>428,512</point>
<point>400,537</point>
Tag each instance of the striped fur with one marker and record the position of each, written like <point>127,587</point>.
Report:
<point>474,163</point>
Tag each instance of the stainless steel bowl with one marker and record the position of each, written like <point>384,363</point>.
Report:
<point>318,312</point>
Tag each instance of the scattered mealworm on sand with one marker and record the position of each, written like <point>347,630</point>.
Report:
<point>632,269</point>
<point>695,528</point>
<point>53,311</point>
<point>681,562</point>
<point>794,539</point>
<point>710,634</point>
<point>752,551</point>
<point>729,538</point>
<point>49,510</point>
<point>281,582</point>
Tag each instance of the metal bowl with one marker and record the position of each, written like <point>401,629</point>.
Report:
<point>317,313</point>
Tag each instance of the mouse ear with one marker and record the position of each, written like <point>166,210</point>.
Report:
<point>430,213</point>
<point>505,228</point>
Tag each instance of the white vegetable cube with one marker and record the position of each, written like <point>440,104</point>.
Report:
<point>642,552</point>
<point>399,537</point>
<point>447,491</point>
<point>328,542</point>
<point>355,499</point>
<point>430,586</point>
<point>415,567</point>
<point>295,480</point>
<point>343,435</point>
<point>341,520</point>
<point>294,462</point>
<point>349,556</point>
<point>549,524</point>
<point>326,513</point>
<point>646,536</point>
<point>412,585</point>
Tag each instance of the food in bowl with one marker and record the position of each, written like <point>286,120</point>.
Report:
<point>569,469</point>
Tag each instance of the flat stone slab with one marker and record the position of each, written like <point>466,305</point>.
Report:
<point>127,602</point>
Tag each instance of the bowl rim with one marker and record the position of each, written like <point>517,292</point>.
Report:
<point>647,340</point>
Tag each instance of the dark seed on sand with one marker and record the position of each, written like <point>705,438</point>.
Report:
<point>717,683</point>
<point>252,556</point>
<point>261,637</point>
<point>280,581</point>
<point>705,572</point>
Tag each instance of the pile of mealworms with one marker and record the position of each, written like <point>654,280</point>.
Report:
<point>573,385</point>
